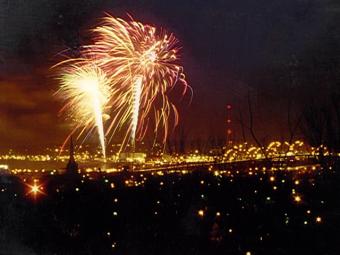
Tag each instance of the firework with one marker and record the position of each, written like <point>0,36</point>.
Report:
<point>135,68</point>
<point>141,65</point>
<point>86,91</point>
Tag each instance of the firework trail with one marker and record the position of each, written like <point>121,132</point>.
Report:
<point>137,89</point>
<point>86,91</point>
<point>141,65</point>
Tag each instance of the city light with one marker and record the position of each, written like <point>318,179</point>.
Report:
<point>297,199</point>
<point>35,189</point>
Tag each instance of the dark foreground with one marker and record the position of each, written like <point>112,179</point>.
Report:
<point>197,213</point>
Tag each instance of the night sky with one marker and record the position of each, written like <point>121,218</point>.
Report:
<point>229,49</point>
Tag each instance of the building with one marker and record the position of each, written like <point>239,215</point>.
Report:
<point>72,165</point>
<point>4,174</point>
<point>4,169</point>
<point>136,157</point>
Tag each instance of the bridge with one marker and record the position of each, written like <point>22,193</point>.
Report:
<point>274,162</point>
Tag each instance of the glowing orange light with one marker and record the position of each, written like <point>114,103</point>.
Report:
<point>35,189</point>
<point>200,213</point>
<point>297,199</point>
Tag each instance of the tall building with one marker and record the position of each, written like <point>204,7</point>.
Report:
<point>72,166</point>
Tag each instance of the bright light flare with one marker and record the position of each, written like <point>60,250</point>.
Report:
<point>35,189</point>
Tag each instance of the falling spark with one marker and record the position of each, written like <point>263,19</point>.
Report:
<point>86,92</point>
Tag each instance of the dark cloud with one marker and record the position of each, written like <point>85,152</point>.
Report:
<point>28,113</point>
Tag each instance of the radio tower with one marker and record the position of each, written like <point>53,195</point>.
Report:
<point>229,126</point>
